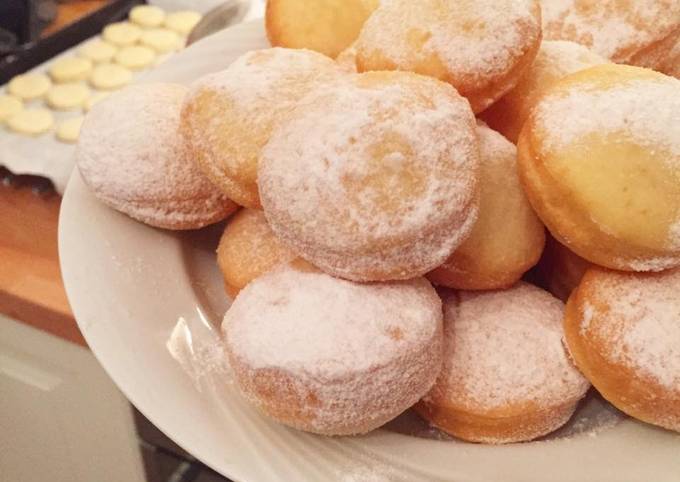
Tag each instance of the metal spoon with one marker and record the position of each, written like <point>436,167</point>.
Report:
<point>220,17</point>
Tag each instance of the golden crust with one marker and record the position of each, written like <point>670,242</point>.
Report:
<point>329,391</point>
<point>354,184</point>
<point>513,424</point>
<point>628,388</point>
<point>428,38</point>
<point>619,30</point>
<point>507,238</point>
<point>132,158</point>
<point>248,249</point>
<point>554,61</point>
<point>229,116</point>
<point>479,397</point>
<point>574,186</point>
<point>326,26</point>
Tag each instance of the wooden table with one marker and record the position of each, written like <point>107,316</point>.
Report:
<point>31,289</point>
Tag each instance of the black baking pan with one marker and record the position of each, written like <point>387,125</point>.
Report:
<point>27,55</point>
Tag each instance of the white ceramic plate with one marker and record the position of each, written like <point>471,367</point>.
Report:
<point>128,285</point>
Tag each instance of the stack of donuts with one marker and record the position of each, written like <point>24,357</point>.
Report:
<point>396,165</point>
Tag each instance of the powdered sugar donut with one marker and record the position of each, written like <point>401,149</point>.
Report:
<point>228,116</point>
<point>132,158</point>
<point>508,237</point>
<point>620,31</point>
<point>555,60</point>
<point>373,177</point>
<point>326,26</point>
<point>599,158</point>
<point>506,376</point>
<point>330,356</point>
<point>481,47</point>
<point>248,249</point>
<point>623,333</point>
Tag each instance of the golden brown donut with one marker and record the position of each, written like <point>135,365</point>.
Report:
<point>508,237</point>
<point>327,26</point>
<point>132,158</point>
<point>623,332</point>
<point>555,59</point>
<point>599,158</point>
<point>480,47</point>
<point>621,31</point>
<point>560,269</point>
<point>330,356</point>
<point>248,249</point>
<point>506,376</point>
<point>228,116</point>
<point>373,177</point>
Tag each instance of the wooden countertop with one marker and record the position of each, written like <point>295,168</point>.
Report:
<point>31,289</point>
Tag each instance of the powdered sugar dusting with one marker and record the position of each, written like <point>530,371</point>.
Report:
<point>557,58</point>
<point>366,352</point>
<point>473,39</point>
<point>373,171</point>
<point>614,29</point>
<point>645,112</point>
<point>642,322</point>
<point>658,263</point>
<point>587,316</point>
<point>310,322</point>
<point>505,347</point>
<point>272,75</point>
<point>131,155</point>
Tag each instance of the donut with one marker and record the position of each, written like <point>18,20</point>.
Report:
<point>555,59</point>
<point>560,269</point>
<point>374,176</point>
<point>599,158</point>
<point>507,238</point>
<point>228,116</point>
<point>330,356</point>
<point>480,47</point>
<point>618,30</point>
<point>326,26</point>
<point>623,333</point>
<point>506,376</point>
<point>248,249</point>
<point>132,158</point>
